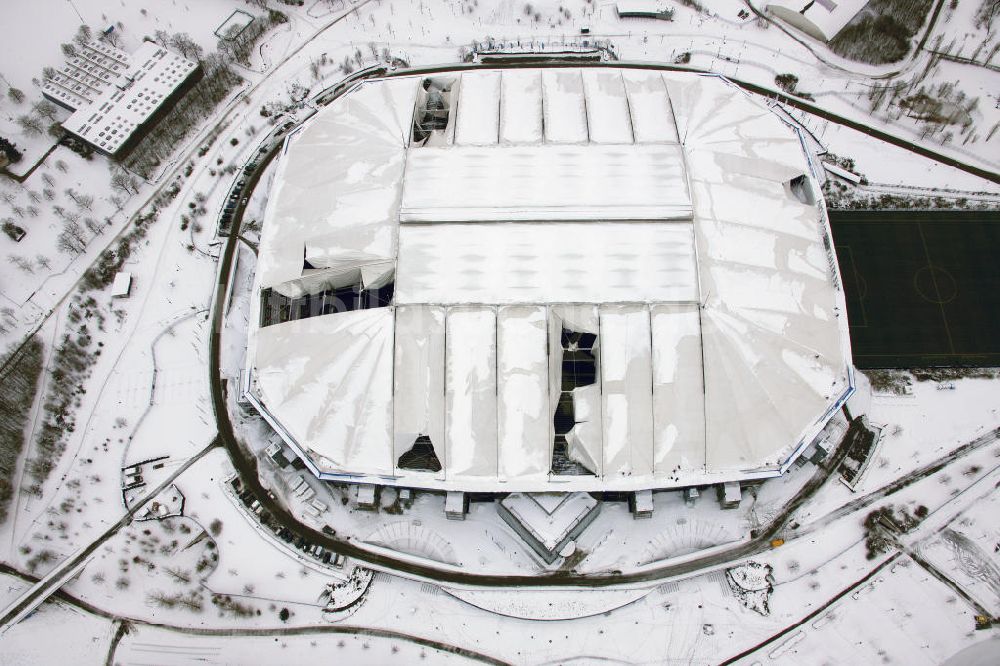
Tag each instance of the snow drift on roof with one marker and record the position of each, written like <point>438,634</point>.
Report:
<point>586,182</point>
<point>546,262</point>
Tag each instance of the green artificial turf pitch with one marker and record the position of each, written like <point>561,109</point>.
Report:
<point>923,287</point>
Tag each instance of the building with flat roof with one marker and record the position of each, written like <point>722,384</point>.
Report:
<point>820,19</point>
<point>554,279</point>
<point>112,94</point>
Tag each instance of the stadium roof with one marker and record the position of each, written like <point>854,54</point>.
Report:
<point>638,252</point>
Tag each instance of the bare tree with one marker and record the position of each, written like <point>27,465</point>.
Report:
<point>71,240</point>
<point>16,95</point>
<point>125,181</point>
<point>30,124</point>
<point>45,109</point>
<point>66,244</point>
<point>68,50</point>
<point>187,47</point>
<point>83,35</point>
<point>43,262</point>
<point>93,225</point>
<point>21,263</point>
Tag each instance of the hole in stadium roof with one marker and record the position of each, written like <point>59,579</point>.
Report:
<point>432,114</point>
<point>579,369</point>
<point>421,457</point>
<point>276,308</point>
<point>801,190</point>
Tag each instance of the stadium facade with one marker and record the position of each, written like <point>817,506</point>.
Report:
<point>554,279</point>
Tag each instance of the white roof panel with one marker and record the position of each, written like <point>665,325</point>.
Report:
<point>564,106</point>
<point>775,352</point>
<point>608,116</point>
<point>471,393</point>
<point>627,385</point>
<point>678,390</point>
<point>575,262</point>
<point>649,106</point>
<point>418,378</point>
<point>521,106</point>
<point>328,380</point>
<point>338,184</point>
<point>525,424</point>
<point>478,121</point>
<point>585,182</point>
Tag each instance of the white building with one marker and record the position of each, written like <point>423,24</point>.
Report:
<point>644,9</point>
<point>533,280</point>
<point>96,68</point>
<point>820,19</point>
<point>113,93</point>
<point>122,285</point>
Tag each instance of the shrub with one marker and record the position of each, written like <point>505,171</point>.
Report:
<point>881,33</point>
<point>9,149</point>
<point>17,392</point>
<point>14,232</point>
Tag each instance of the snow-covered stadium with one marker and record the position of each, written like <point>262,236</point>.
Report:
<point>557,279</point>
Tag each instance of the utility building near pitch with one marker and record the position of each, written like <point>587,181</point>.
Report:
<point>554,279</point>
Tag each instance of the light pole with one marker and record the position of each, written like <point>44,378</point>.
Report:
<point>76,10</point>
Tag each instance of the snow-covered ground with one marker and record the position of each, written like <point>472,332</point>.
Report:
<point>82,636</point>
<point>147,394</point>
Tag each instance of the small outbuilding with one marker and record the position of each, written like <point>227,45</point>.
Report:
<point>650,9</point>
<point>122,286</point>
<point>456,505</point>
<point>641,504</point>
<point>367,496</point>
<point>730,495</point>
<point>820,19</point>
